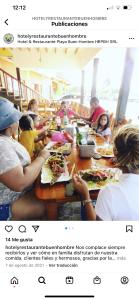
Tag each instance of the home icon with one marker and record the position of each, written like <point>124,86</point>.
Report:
<point>14,280</point>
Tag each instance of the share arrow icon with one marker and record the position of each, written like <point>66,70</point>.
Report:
<point>35,227</point>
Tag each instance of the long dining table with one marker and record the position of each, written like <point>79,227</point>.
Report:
<point>54,195</point>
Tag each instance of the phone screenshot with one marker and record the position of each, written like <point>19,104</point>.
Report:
<point>69,150</point>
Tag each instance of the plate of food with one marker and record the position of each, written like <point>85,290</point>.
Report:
<point>97,178</point>
<point>57,147</point>
<point>81,123</point>
<point>55,170</point>
<point>105,151</point>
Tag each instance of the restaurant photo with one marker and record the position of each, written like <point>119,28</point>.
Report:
<point>69,134</point>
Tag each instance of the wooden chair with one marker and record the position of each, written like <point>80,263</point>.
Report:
<point>112,121</point>
<point>75,106</point>
<point>124,121</point>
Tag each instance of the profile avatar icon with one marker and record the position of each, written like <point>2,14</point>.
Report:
<point>124,280</point>
<point>8,38</point>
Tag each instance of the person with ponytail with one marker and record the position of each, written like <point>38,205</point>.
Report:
<point>117,201</point>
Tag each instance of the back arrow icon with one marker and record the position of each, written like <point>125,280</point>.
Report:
<point>6,22</point>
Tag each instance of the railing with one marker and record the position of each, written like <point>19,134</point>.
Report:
<point>17,89</point>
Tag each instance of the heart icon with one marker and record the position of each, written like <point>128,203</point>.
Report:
<point>8,228</point>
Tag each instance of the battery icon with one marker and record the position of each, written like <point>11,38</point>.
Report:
<point>127,7</point>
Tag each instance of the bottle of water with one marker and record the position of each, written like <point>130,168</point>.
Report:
<point>58,122</point>
<point>65,119</point>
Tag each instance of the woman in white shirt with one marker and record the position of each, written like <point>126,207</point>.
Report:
<point>17,173</point>
<point>119,201</point>
<point>33,108</point>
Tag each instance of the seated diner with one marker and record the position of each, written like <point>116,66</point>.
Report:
<point>117,201</point>
<point>17,173</point>
<point>95,111</point>
<point>66,110</point>
<point>33,110</point>
<point>103,128</point>
<point>29,137</point>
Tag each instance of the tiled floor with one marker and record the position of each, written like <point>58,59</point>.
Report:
<point>70,212</point>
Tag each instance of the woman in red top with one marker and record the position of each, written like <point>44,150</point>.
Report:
<point>64,108</point>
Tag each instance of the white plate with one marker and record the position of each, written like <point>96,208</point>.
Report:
<point>66,151</point>
<point>94,186</point>
<point>46,175</point>
<point>103,155</point>
<point>49,145</point>
<point>81,122</point>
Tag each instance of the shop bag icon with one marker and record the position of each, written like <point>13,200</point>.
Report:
<point>96,280</point>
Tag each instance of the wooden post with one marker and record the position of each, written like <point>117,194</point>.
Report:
<point>19,86</point>
<point>94,81</point>
<point>50,91</point>
<point>82,87</point>
<point>18,74</point>
<point>125,84</point>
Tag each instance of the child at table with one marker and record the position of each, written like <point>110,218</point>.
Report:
<point>29,136</point>
<point>103,128</point>
<point>65,109</point>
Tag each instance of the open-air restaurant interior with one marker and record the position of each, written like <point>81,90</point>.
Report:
<point>69,134</point>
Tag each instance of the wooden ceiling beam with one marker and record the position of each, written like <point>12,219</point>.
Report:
<point>66,50</point>
<point>76,51</point>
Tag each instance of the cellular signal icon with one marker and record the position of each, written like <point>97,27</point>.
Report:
<point>35,227</point>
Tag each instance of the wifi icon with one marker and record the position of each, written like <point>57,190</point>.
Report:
<point>35,227</point>
<point>110,7</point>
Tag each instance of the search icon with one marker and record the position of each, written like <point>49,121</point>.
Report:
<point>41,279</point>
